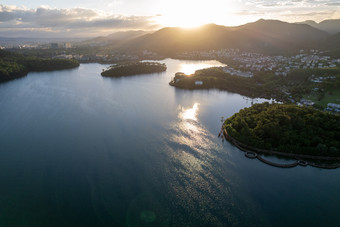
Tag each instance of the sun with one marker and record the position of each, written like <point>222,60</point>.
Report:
<point>185,14</point>
<point>195,13</point>
<point>187,21</point>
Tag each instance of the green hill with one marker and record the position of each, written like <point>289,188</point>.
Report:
<point>287,128</point>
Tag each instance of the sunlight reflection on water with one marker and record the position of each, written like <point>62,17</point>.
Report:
<point>190,113</point>
<point>188,68</point>
<point>192,140</point>
<point>192,170</point>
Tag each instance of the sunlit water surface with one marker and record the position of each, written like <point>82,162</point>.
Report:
<point>81,150</point>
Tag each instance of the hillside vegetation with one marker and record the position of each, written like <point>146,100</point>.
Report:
<point>287,128</point>
<point>134,68</point>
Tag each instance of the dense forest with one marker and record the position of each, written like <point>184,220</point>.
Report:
<point>13,65</point>
<point>135,68</point>
<point>287,128</point>
<point>263,84</point>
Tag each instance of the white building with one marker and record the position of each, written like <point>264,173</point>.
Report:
<point>67,45</point>
<point>333,107</point>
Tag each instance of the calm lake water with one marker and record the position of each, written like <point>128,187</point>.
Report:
<point>81,150</point>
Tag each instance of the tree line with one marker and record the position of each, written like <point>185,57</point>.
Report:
<point>14,65</point>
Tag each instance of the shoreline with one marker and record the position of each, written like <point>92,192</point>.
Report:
<point>253,152</point>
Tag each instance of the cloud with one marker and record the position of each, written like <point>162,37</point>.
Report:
<point>292,10</point>
<point>68,20</point>
<point>116,22</point>
<point>300,4</point>
<point>333,4</point>
<point>248,13</point>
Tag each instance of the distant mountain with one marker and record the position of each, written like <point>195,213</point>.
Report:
<point>273,36</point>
<point>267,36</point>
<point>284,31</point>
<point>310,23</point>
<point>114,39</point>
<point>330,26</point>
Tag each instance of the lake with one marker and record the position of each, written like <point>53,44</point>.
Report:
<point>78,149</point>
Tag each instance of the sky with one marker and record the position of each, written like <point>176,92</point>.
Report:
<point>88,18</point>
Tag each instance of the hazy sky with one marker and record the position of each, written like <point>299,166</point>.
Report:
<point>66,18</point>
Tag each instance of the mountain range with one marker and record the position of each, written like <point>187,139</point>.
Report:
<point>263,36</point>
<point>113,40</point>
<point>330,26</point>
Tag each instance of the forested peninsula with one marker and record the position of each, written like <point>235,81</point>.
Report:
<point>293,87</point>
<point>133,68</point>
<point>286,128</point>
<point>13,65</point>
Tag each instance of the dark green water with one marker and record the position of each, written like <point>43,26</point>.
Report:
<point>81,150</point>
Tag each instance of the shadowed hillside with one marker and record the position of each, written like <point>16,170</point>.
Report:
<point>275,37</point>
<point>172,40</point>
<point>331,44</point>
<point>266,36</point>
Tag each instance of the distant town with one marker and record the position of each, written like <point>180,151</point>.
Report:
<point>246,64</point>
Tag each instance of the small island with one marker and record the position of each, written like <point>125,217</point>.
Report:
<point>286,129</point>
<point>133,68</point>
<point>13,65</point>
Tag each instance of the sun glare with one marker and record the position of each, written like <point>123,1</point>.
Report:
<point>185,14</point>
<point>190,68</point>
<point>195,13</point>
<point>190,113</point>
<point>190,21</point>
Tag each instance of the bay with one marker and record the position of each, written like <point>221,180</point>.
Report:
<point>78,149</point>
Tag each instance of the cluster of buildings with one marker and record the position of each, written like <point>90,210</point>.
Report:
<point>305,102</point>
<point>35,45</point>
<point>333,107</point>
<point>98,57</point>
<point>237,72</point>
<point>114,57</point>
<point>321,78</point>
<point>60,45</point>
<point>281,65</point>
